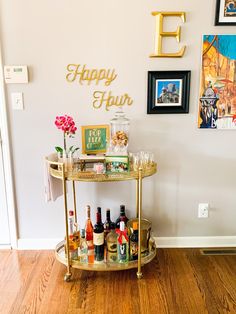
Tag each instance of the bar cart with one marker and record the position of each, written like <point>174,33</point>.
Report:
<point>58,170</point>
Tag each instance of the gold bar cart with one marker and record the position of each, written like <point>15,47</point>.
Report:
<point>57,170</point>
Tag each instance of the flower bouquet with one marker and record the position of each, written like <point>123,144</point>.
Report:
<point>67,125</point>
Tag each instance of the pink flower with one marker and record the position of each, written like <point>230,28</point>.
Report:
<point>67,125</point>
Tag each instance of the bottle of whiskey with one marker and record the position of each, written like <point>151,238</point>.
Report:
<point>89,236</point>
<point>98,237</point>
<point>112,244</point>
<point>133,246</point>
<point>107,224</point>
<point>122,217</point>
<point>122,244</point>
<point>83,252</point>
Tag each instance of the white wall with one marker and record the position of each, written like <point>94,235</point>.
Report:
<point>193,165</point>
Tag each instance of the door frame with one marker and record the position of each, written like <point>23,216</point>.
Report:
<point>7,160</point>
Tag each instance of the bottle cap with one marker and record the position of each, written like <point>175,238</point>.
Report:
<point>71,213</point>
<point>113,226</point>
<point>122,226</point>
<point>135,225</point>
<point>99,210</point>
<point>82,233</point>
<point>122,207</point>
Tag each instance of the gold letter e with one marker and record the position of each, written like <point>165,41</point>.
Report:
<point>160,34</point>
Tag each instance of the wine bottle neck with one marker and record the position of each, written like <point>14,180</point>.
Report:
<point>98,218</point>
<point>108,216</point>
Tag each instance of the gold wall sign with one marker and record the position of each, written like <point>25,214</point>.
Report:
<point>81,74</point>
<point>78,72</point>
<point>107,99</point>
<point>160,34</point>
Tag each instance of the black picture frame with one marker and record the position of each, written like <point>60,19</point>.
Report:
<point>175,90</point>
<point>217,16</point>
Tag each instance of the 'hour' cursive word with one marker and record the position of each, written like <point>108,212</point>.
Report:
<point>77,71</point>
<point>108,100</point>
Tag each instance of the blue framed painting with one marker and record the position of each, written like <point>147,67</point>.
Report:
<point>168,91</point>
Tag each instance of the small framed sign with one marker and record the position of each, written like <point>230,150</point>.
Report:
<point>117,164</point>
<point>95,139</point>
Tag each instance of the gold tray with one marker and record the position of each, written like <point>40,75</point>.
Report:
<point>102,266</point>
<point>90,176</point>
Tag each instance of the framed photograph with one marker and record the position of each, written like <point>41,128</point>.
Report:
<point>217,96</point>
<point>117,164</point>
<point>168,92</point>
<point>94,139</point>
<point>225,12</point>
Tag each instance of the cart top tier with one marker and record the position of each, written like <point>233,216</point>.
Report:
<point>57,171</point>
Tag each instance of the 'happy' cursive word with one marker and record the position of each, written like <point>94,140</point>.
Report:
<point>108,100</point>
<point>77,71</point>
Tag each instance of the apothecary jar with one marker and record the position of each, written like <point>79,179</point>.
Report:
<point>119,134</point>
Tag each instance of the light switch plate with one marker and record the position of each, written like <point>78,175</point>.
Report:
<point>17,101</point>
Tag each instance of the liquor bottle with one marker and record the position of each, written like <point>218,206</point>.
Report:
<point>112,244</point>
<point>133,246</point>
<point>83,253</point>
<point>122,217</point>
<point>71,221</point>
<point>98,237</point>
<point>107,224</point>
<point>122,244</point>
<point>89,236</point>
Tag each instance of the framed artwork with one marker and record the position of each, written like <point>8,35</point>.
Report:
<point>117,164</point>
<point>95,139</point>
<point>168,92</point>
<point>217,101</point>
<point>225,12</point>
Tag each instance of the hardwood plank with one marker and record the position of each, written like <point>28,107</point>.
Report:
<point>176,281</point>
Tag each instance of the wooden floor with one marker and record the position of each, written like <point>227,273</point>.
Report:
<point>177,281</point>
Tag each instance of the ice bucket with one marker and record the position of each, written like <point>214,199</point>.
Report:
<point>145,233</point>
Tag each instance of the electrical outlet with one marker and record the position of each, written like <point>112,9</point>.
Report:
<point>203,209</point>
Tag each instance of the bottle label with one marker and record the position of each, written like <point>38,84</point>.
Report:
<point>122,251</point>
<point>111,256</point>
<point>133,249</point>
<point>98,238</point>
<point>111,247</point>
<point>90,244</point>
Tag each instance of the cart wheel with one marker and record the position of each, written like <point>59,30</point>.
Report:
<point>67,277</point>
<point>139,275</point>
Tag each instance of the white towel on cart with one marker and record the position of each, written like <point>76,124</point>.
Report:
<point>52,186</point>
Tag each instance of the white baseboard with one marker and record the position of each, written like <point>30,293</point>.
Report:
<point>5,247</point>
<point>192,242</point>
<point>161,242</point>
<point>38,244</point>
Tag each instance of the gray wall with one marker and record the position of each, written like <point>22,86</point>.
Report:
<point>193,165</point>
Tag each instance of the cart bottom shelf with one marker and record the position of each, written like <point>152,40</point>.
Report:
<point>102,266</point>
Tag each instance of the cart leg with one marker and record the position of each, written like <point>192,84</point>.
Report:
<point>137,197</point>
<point>67,277</point>
<point>139,272</point>
<point>74,199</point>
<point>68,273</point>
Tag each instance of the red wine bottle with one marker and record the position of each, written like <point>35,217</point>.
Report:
<point>122,217</point>
<point>98,237</point>
<point>107,224</point>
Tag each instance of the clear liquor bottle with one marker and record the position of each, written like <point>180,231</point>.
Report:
<point>112,245</point>
<point>83,253</point>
